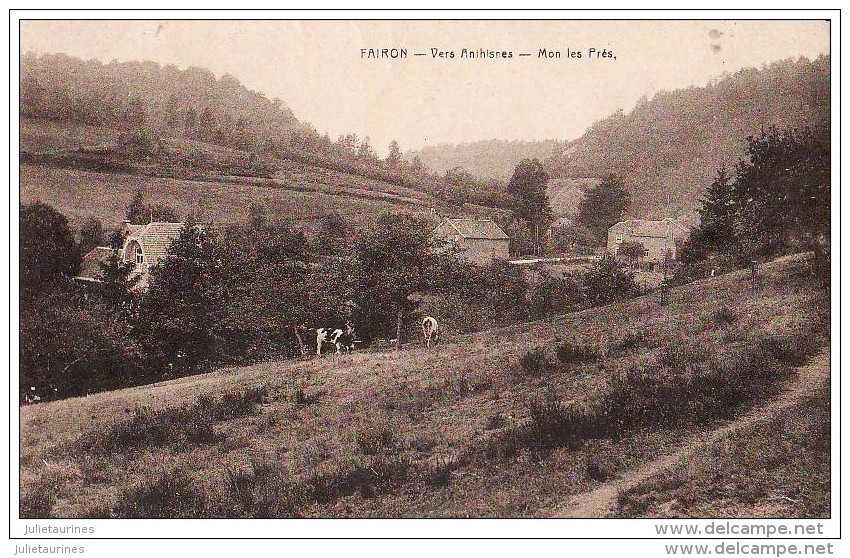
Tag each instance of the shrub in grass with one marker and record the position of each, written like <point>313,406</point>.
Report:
<point>632,340</point>
<point>299,396</point>
<point>262,491</point>
<point>232,405</point>
<point>686,384</point>
<point>601,464</point>
<point>440,474</point>
<point>267,491</point>
<point>37,501</point>
<point>572,353</point>
<point>169,495</point>
<point>723,316</point>
<point>535,362</point>
<point>794,351</point>
<point>494,421</point>
<point>175,427</point>
<point>373,440</point>
<point>369,479</point>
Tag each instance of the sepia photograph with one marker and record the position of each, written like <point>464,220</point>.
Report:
<point>422,268</point>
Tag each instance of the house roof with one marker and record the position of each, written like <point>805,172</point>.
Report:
<point>651,229</point>
<point>478,228</point>
<point>155,238</point>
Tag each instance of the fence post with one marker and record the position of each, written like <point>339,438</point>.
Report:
<point>754,267</point>
<point>301,346</point>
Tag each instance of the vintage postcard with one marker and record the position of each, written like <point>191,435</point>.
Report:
<point>418,267</point>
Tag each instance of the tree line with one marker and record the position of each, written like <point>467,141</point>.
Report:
<point>777,200</point>
<point>241,293</point>
<point>147,103</point>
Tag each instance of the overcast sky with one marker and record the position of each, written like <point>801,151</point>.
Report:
<point>316,67</point>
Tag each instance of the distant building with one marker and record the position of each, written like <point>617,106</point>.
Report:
<point>660,239</point>
<point>480,240</point>
<point>144,245</point>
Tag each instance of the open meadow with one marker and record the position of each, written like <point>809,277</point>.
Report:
<point>80,194</point>
<point>501,423</point>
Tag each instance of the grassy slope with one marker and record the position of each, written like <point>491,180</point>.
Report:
<point>298,191</point>
<point>79,194</point>
<point>435,406</point>
<point>39,135</point>
<point>780,468</point>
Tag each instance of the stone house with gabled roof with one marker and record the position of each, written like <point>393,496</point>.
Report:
<point>480,241</point>
<point>144,245</point>
<point>660,239</point>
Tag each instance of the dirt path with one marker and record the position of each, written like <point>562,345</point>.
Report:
<point>599,502</point>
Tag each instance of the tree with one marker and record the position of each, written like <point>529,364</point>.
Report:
<point>632,250</point>
<point>183,316</point>
<point>92,235</point>
<point>135,115</point>
<point>416,165</point>
<point>365,151</point>
<point>207,124</point>
<point>141,213</point>
<point>191,122</point>
<point>528,187</point>
<point>716,232</point>
<point>394,155</point>
<point>172,112</point>
<point>782,191</point>
<point>332,234</point>
<point>72,347</point>
<point>118,284</point>
<point>555,295</point>
<point>603,206</point>
<point>393,261</point>
<point>268,293</point>
<point>48,251</point>
<point>778,200</point>
<point>607,281</point>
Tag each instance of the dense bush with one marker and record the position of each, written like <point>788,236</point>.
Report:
<point>72,346</point>
<point>572,353</point>
<point>723,316</point>
<point>608,281</point>
<point>555,295</point>
<point>632,340</point>
<point>535,361</point>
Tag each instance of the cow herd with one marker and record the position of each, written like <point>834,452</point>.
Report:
<point>344,339</point>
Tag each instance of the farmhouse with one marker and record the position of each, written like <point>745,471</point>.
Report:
<point>480,240</point>
<point>659,238</point>
<point>144,245</point>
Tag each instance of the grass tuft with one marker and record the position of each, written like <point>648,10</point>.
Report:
<point>535,362</point>
<point>572,353</point>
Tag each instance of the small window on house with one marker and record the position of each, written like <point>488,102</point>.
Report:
<point>140,257</point>
<point>646,252</point>
<point>619,238</point>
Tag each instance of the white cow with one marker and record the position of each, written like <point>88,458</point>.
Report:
<point>430,330</point>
